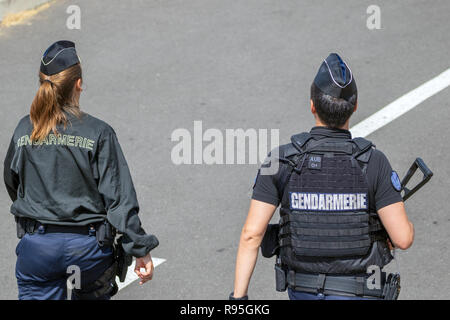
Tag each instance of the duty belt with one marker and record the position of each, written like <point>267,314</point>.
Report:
<point>51,228</point>
<point>31,226</point>
<point>333,285</point>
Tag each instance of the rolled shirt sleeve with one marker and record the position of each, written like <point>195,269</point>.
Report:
<point>117,190</point>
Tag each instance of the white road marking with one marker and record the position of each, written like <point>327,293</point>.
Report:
<point>402,105</point>
<point>131,276</point>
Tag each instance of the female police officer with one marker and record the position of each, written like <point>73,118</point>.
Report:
<point>338,196</point>
<point>67,177</point>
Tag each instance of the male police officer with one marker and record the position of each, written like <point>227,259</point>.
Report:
<point>338,198</point>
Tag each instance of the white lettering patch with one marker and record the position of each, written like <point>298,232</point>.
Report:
<point>328,201</point>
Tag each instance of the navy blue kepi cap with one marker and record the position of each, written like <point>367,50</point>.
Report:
<point>335,78</point>
<point>58,57</point>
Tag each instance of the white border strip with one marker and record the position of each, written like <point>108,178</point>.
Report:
<point>402,105</point>
<point>132,276</point>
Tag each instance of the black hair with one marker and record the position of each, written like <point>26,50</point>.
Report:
<point>333,112</point>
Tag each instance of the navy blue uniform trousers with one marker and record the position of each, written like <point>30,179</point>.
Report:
<point>43,259</point>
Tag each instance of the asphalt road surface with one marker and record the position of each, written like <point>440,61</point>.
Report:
<point>151,67</point>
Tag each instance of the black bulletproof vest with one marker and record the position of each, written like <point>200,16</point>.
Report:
<point>325,223</point>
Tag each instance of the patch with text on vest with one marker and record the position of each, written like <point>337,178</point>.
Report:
<point>315,162</point>
<point>328,201</point>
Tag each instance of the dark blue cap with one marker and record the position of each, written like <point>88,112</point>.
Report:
<point>335,78</point>
<point>58,57</point>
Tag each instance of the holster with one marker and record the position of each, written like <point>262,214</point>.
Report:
<point>105,285</point>
<point>280,278</point>
<point>270,244</point>
<point>123,259</point>
<point>392,287</point>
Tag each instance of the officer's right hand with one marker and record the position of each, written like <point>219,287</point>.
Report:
<point>146,263</point>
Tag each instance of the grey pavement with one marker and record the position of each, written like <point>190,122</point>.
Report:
<point>151,67</point>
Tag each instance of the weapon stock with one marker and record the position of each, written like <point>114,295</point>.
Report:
<point>427,174</point>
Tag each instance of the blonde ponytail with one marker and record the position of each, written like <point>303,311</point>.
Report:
<point>55,94</point>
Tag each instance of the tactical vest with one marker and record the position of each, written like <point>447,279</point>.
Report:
<point>325,223</point>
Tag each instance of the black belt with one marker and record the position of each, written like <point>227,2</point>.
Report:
<point>334,285</point>
<point>51,228</point>
<point>32,226</point>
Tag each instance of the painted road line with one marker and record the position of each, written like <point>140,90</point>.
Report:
<point>402,105</point>
<point>131,276</point>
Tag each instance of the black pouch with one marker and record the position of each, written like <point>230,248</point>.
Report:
<point>270,244</point>
<point>105,234</point>
<point>280,279</point>
<point>20,228</point>
<point>25,225</point>
<point>123,259</point>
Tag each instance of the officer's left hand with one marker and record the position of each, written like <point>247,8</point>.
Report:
<point>146,263</point>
